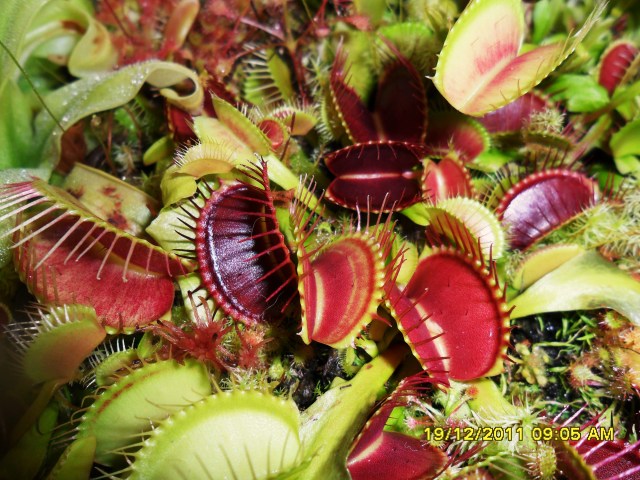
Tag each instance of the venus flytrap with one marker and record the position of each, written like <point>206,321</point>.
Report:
<point>228,141</point>
<point>453,314</point>
<point>52,346</point>
<point>496,63</point>
<point>284,332</point>
<point>63,231</point>
<point>544,202</point>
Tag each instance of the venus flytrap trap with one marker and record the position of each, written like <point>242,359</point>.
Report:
<point>142,394</point>
<point>51,347</point>
<point>457,328</point>
<point>315,264</point>
<point>351,266</point>
<point>66,234</point>
<point>237,225</point>
<point>451,132</point>
<point>501,71</point>
<point>544,201</point>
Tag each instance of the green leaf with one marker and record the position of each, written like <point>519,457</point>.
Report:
<point>627,164</point>
<point>15,110</point>
<point>26,457</point>
<point>585,282</point>
<point>24,27</point>
<point>418,213</point>
<point>135,402</point>
<point>582,93</point>
<point>102,92</point>
<point>166,227</point>
<point>62,337</point>
<point>490,161</point>
<point>15,128</point>
<point>16,18</point>
<point>68,31</point>
<point>545,16</point>
<point>625,146</point>
<point>235,434</point>
<point>544,260</point>
<point>332,422</point>
<point>415,41</point>
<point>20,146</point>
<point>76,461</point>
<point>359,61</point>
<point>372,9</point>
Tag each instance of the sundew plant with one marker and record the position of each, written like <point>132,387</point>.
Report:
<point>320,239</point>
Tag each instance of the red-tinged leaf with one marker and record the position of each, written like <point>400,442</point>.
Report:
<point>340,290</point>
<point>121,299</point>
<point>180,121</point>
<point>606,460</point>
<point>423,336</point>
<point>401,104</point>
<point>400,109</point>
<point>395,456</point>
<point>375,175</point>
<point>615,63</point>
<point>180,124</point>
<point>543,202</point>
<point>59,205</point>
<point>611,459</point>
<point>242,257</point>
<point>514,116</point>
<point>242,128</point>
<point>453,315</point>
<point>275,132</point>
<point>515,78</point>
<point>355,117</point>
<point>391,455</point>
<point>451,132</point>
<point>446,179</point>
<point>480,67</point>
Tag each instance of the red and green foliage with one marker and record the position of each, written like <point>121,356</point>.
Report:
<point>319,239</point>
